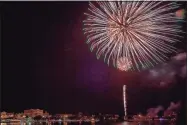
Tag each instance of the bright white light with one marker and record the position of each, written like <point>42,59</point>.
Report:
<point>124,100</point>
<point>124,64</point>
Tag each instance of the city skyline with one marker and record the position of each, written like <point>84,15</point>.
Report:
<point>47,65</point>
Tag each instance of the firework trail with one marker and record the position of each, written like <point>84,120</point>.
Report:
<point>141,32</point>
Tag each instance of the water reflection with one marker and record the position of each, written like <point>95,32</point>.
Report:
<point>146,123</point>
<point>65,123</point>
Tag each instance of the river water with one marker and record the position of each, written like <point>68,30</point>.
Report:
<point>100,123</point>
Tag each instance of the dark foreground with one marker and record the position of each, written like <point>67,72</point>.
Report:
<point>99,123</point>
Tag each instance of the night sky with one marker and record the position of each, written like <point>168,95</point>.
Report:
<point>46,64</point>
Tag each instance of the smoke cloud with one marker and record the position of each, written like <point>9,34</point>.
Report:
<point>153,112</point>
<point>167,73</point>
<point>174,107</point>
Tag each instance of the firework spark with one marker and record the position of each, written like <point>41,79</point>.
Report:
<point>124,64</point>
<point>143,32</point>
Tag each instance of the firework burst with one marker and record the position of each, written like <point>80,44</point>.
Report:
<point>124,64</point>
<point>141,32</point>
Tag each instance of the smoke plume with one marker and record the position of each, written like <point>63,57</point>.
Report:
<point>166,74</point>
<point>153,112</point>
<point>174,107</point>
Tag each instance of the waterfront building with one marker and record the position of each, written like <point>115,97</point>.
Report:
<point>46,114</point>
<point>3,115</point>
<point>19,115</point>
<point>10,115</point>
<point>33,112</point>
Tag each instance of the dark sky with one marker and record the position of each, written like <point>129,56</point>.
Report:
<point>46,64</point>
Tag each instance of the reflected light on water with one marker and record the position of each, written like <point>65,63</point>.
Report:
<point>143,123</point>
<point>19,123</point>
<point>92,123</point>
<point>65,123</point>
<point>124,123</point>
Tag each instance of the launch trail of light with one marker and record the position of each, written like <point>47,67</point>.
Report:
<point>124,100</point>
